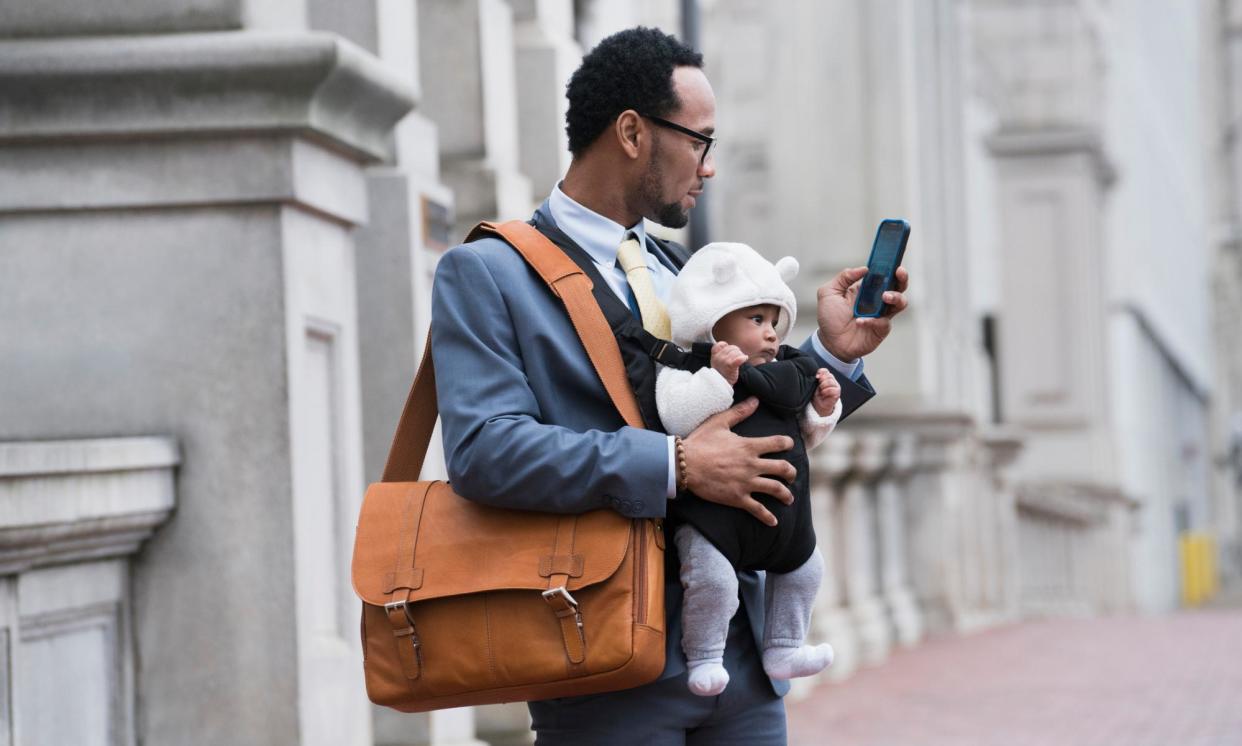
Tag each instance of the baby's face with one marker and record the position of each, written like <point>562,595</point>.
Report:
<point>752,330</point>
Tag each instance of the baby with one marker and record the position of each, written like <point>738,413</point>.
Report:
<point>731,298</point>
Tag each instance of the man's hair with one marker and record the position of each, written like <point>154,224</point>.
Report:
<point>632,69</point>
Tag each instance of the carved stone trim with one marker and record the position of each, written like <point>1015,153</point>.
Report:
<point>73,500</point>
<point>177,85</point>
<point>1078,502</point>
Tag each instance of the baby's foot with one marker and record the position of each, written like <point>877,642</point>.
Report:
<point>791,663</point>
<point>708,677</point>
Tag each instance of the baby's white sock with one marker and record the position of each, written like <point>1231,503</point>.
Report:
<point>790,663</point>
<point>708,676</point>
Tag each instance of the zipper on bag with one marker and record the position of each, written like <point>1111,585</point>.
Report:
<point>640,595</point>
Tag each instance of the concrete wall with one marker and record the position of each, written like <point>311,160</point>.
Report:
<point>177,259</point>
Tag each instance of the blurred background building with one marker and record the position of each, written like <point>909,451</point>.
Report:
<point>218,224</point>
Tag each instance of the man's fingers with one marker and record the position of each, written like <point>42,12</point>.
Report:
<point>771,443</point>
<point>736,413</point>
<point>896,303</point>
<point>903,279</point>
<point>774,488</point>
<point>755,508</point>
<point>776,467</point>
<point>880,327</point>
<point>847,278</point>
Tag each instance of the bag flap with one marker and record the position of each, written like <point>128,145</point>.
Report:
<point>465,547</point>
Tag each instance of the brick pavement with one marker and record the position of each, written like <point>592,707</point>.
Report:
<point>1174,680</point>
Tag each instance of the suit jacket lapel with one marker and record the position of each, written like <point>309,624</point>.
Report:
<point>613,307</point>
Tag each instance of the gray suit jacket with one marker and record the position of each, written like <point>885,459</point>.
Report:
<point>525,420</point>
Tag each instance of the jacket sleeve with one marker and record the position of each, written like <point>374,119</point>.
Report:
<point>816,428</point>
<point>685,399</point>
<point>497,447</point>
<point>853,393</point>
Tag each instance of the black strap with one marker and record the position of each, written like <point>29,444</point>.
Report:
<point>618,314</point>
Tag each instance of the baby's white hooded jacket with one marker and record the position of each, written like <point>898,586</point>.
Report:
<point>720,278</point>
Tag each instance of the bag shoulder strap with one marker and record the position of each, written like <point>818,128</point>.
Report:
<point>568,282</point>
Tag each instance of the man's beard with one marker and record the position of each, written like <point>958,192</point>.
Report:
<point>670,214</point>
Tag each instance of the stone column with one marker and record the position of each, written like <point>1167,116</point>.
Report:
<point>72,514</point>
<point>1003,447</point>
<point>504,725</point>
<point>179,225</point>
<point>861,538</point>
<point>831,622</point>
<point>938,486</point>
<point>1226,273</point>
<point>1051,177</point>
<point>972,543</point>
<point>472,99</point>
<point>893,495</point>
<point>547,55</point>
<point>453,728</point>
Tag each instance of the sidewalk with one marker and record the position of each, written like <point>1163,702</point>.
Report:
<point>1125,681</point>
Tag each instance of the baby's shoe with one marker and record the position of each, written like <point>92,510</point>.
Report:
<point>708,677</point>
<point>791,663</point>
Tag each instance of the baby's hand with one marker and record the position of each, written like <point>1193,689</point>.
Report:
<point>727,359</point>
<point>826,393</point>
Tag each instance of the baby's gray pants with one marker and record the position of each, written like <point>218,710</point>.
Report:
<point>710,599</point>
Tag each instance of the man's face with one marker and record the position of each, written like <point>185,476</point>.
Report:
<point>752,330</point>
<point>675,171</point>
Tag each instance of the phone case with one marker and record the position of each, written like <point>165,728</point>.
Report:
<point>880,283</point>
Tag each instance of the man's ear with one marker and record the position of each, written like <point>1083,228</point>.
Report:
<point>629,132</point>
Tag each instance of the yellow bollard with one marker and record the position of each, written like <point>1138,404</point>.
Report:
<point>1209,562</point>
<point>1201,564</point>
<point>1200,577</point>
<point>1188,549</point>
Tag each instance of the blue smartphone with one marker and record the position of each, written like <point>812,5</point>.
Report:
<point>886,254</point>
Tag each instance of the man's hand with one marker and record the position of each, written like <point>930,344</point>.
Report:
<point>827,392</point>
<point>845,336</point>
<point>727,359</point>
<point>724,467</point>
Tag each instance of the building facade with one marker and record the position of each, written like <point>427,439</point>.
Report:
<point>218,224</point>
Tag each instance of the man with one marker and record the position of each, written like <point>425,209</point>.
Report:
<point>525,417</point>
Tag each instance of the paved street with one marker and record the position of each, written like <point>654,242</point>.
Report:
<point>1160,681</point>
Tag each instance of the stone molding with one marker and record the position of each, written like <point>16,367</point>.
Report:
<point>1055,141</point>
<point>314,84</point>
<point>1003,445</point>
<point>227,170</point>
<point>73,500</point>
<point>1078,502</point>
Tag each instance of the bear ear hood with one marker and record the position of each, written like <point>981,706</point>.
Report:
<point>787,268</point>
<point>723,277</point>
<point>724,268</point>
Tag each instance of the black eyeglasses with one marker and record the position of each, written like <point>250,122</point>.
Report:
<point>707,140</point>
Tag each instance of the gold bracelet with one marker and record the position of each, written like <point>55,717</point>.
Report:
<point>683,478</point>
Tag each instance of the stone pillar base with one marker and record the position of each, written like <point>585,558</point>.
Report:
<point>836,628</point>
<point>906,617</point>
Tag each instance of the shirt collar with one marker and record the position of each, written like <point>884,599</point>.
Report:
<point>596,234</point>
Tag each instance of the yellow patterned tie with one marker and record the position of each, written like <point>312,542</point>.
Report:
<point>631,257</point>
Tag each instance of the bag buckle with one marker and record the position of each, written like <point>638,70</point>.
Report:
<point>564,605</point>
<point>410,631</point>
<point>561,594</point>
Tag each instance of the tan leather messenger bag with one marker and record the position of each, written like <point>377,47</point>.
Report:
<point>466,604</point>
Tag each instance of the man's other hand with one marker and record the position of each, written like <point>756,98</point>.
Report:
<point>724,467</point>
<point>845,336</point>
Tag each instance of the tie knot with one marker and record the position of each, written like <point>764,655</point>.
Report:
<point>630,254</point>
